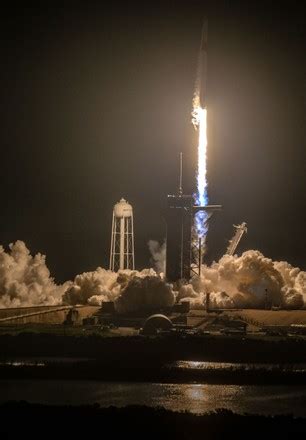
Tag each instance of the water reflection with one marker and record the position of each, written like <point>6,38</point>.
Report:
<point>197,365</point>
<point>42,361</point>
<point>196,398</point>
<point>23,364</point>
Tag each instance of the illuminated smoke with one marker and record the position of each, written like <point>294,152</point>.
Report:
<point>187,293</point>
<point>158,252</point>
<point>93,288</point>
<point>131,291</point>
<point>252,281</point>
<point>145,294</point>
<point>25,280</point>
<point>248,281</point>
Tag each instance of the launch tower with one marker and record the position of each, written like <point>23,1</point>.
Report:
<point>180,219</point>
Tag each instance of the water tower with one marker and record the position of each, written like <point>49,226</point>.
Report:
<point>122,241</point>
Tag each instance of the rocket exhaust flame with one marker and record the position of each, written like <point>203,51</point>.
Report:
<point>202,156</point>
<point>199,120</point>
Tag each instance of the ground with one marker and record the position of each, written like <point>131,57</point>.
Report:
<point>51,319</point>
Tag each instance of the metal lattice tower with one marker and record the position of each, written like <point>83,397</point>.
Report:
<point>182,262</point>
<point>122,240</point>
<point>233,243</point>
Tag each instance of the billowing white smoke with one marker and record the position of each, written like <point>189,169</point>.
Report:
<point>158,252</point>
<point>187,293</point>
<point>249,281</point>
<point>294,288</point>
<point>149,293</point>
<point>25,280</point>
<point>93,288</point>
<point>130,290</point>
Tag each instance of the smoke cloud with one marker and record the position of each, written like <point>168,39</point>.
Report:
<point>93,288</point>
<point>131,291</point>
<point>251,281</point>
<point>158,252</point>
<point>248,281</point>
<point>149,293</point>
<point>25,280</point>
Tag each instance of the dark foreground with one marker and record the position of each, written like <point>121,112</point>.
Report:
<point>137,349</point>
<point>24,420</point>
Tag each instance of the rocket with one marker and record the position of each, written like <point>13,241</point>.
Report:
<point>202,66</point>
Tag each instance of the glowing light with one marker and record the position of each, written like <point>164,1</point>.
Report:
<point>199,120</point>
<point>202,155</point>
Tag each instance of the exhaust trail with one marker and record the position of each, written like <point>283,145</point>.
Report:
<point>199,121</point>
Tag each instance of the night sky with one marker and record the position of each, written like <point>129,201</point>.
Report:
<point>96,105</point>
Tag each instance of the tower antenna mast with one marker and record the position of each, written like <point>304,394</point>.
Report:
<point>181,175</point>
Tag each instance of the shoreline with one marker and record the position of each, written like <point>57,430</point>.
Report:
<point>142,422</point>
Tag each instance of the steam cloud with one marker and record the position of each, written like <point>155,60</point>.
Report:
<point>158,252</point>
<point>250,280</point>
<point>25,280</point>
<point>149,293</point>
<point>130,290</point>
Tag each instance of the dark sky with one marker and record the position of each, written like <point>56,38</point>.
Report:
<point>96,104</point>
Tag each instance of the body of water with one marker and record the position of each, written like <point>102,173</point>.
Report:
<point>199,365</point>
<point>196,398</point>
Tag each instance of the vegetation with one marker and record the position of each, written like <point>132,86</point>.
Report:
<point>140,422</point>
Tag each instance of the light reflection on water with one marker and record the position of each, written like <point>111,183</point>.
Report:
<point>180,365</point>
<point>41,361</point>
<point>23,364</point>
<point>198,365</point>
<point>197,398</point>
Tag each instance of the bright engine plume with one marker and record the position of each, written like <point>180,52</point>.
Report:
<point>199,120</point>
